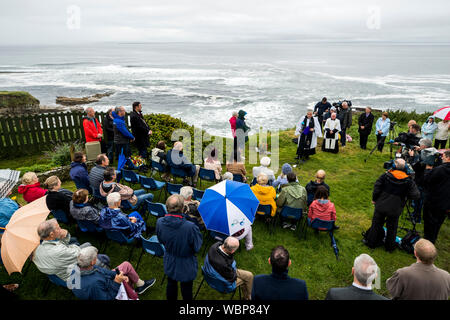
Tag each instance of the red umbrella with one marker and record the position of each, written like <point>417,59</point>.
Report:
<point>443,113</point>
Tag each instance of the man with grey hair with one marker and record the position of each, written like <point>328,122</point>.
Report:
<point>58,250</point>
<point>422,280</point>
<point>122,136</point>
<point>390,193</point>
<point>345,116</point>
<point>190,208</point>
<point>182,240</point>
<point>227,176</point>
<point>177,160</point>
<point>220,258</point>
<point>97,283</point>
<point>364,272</point>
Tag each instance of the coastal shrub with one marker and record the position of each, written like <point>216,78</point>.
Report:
<point>402,117</point>
<point>60,155</point>
<point>36,168</point>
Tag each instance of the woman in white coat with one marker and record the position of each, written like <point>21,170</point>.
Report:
<point>308,129</point>
<point>331,138</point>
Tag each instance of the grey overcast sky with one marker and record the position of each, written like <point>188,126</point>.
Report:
<point>33,22</point>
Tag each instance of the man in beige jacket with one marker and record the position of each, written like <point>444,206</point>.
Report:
<point>421,280</point>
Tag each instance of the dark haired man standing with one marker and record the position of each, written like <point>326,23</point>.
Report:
<point>278,285</point>
<point>365,122</point>
<point>140,130</point>
<point>320,108</point>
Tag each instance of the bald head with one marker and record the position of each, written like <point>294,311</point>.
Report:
<point>90,112</point>
<point>400,164</point>
<point>425,251</point>
<point>344,105</point>
<point>320,175</point>
<point>230,245</point>
<point>175,203</point>
<point>178,146</point>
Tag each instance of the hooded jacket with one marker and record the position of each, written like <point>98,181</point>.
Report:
<point>182,240</point>
<point>428,128</point>
<point>79,175</point>
<point>31,192</point>
<point>159,156</point>
<point>391,191</point>
<point>97,284</point>
<point>233,126</point>
<point>84,211</point>
<point>437,186</point>
<point>311,189</point>
<point>324,211</point>
<point>92,130</point>
<point>121,133</point>
<point>240,121</point>
<point>114,219</point>
<point>292,195</point>
<point>266,195</point>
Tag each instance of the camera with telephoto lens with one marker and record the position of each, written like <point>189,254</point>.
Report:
<point>408,139</point>
<point>390,165</point>
<point>338,104</point>
<point>430,156</point>
<point>392,124</point>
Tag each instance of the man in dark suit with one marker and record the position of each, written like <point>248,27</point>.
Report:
<point>364,272</point>
<point>140,129</point>
<point>365,122</point>
<point>278,285</point>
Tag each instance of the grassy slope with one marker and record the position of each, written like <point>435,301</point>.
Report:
<point>351,182</point>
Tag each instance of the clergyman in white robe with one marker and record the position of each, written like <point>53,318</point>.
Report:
<point>331,138</point>
<point>307,140</point>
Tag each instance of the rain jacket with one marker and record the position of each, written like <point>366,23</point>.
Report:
<point>266,195</point>
<point>97,284</point>
<point>7,209</point>
<point>442,132</point>
<point>391,191</point>
<point>84,211</point>
<point>383,126</point>
<point>182,240</point>
<point>428,129</point>
<point>79,175</point>
<point>121,134</point>
<point>278,286</point>
<point>31,192</point>
<point>292,195</point>
<point>54,256</point>
<point>233,126</point>
<point>114,219</point>
<point>323,211</point>
<point>159,156</point>
<point>240,121</point>
<point>437,186</point>
<point>92,130</point>
<point>311,189</point>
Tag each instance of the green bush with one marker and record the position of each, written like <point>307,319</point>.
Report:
<point>60,155</point>
<point>36,168</point>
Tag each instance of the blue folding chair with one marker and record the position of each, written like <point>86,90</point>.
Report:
<point>178,173</point>
<point>293,214</point>
<point>158,167</point>
<point>238,178</point>
<point>173,188</point>
<point>60,216</point>
<point>265,210</point>
<point>120,238</point>
<point>153,247</point>
<point>152,184</point>
<point>157,210</point>
<point>253,182</point>
<point>198,194</point>
<point>217,285</point>
<point>206,174</point>
<point>51,278</point>
<point>327,226</point>
<point>130,176</point>
<point>88,226</point>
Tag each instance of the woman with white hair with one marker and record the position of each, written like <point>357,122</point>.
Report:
<point>265,163</point>
<point>308,129</point>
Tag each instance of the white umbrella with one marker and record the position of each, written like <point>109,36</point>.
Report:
<point>8,179</point>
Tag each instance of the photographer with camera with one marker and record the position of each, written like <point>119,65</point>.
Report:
<point>320,108</point>
<point>390,193</point>
<point>437,194</point>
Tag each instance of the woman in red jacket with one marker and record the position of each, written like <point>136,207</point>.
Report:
<point>92,127</point>
<point>31,188</point>
<point>322,208</point>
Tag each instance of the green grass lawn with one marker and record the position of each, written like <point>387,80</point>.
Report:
<point>351,181</point>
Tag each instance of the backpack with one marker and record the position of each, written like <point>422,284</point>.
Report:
<point>408,241</point>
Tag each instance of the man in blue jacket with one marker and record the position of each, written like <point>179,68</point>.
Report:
<point>122,136</point>
<point>78,172</point>
<point>182,240</point>
<point>96,283</point>
<point>278,285</point>
<point>176,159</point>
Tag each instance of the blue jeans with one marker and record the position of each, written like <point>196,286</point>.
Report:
<point>142,195</point>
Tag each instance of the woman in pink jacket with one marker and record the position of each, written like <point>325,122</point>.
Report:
<point>322,208</point>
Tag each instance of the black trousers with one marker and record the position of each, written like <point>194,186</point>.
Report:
<point>363,137</point>
<point>172,290</point>
<point>376,233</point>
<point>380,142</point>
<point>433,218</point>
<point>440,144</point>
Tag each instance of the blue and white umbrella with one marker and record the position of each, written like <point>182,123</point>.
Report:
<point>228,207</point>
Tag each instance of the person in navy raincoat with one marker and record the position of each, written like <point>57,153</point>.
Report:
<point>182,240</point>
<point>111,217</point>
<point>78,172</point>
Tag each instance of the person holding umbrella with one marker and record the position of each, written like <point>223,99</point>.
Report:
<point>182,240</point>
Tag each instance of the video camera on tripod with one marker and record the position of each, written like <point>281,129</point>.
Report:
<point>338,105</point>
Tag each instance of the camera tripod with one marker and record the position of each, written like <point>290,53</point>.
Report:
<point>392,135</point>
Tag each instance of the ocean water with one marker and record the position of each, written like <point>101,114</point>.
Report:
<point>203,83</point>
